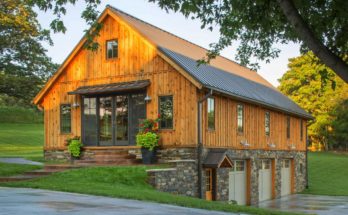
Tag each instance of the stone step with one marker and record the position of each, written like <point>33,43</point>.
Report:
<point>43,172</point>
<point>105,162</point>
<point>61,167</point>
<point>18,178</point>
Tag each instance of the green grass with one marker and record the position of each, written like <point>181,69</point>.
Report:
<point>15,169</point>
<point>128,183</point>
<point>328,174</point>
<point>20,115</point>
<point>21,140</point>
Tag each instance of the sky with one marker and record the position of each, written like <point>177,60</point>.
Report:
<point>175,23</point>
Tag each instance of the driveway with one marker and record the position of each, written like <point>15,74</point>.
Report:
<point>18,201</point>
<point>322,205</point>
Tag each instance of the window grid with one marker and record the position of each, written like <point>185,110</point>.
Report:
<point>65,118</point>
<point>267,123</point>
<point>166,112</point>
<point>111,49</point>
<point>240,118</point>
<point>211,113</point>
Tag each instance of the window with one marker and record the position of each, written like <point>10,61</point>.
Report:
<point>288,127</point>
<point>301,129</point>
<point>211,113</point>
<point>240,118</point>
<point>111,49</point>
<point>90,126</point>
<point>65,118</point>
<point>267,123</point>
<point>166,111</point>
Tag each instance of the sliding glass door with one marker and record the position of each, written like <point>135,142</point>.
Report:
<point>112,120</point>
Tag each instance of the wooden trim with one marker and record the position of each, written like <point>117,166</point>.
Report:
<point>109,147</point>
<point>248,179</point>
<point>228,160</point>
<point>273,169</point>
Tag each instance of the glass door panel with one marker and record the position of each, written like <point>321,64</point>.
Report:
<point>105,121</point>
<point>121,113</point>
<point>90,127</point>
<point>137,109</point>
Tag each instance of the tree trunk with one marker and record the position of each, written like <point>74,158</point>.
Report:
<point>307,36</point>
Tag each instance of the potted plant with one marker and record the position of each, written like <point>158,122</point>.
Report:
<point>74,148</point>
<point>148,139</point>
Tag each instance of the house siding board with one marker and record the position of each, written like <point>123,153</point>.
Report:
<point>225,134</point>
<point>135,55</point>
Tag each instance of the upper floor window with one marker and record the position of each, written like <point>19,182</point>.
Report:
<point>65,118</point>
<point>166,112</point>
<point>111,49</point>
<point>240,118</point>
<point>288,127</point>
<point>267,123</point>
<point>211,113</point>
<point>301,130</point>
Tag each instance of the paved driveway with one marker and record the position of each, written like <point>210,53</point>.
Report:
<point>322,205</point>
<point>19,201</point>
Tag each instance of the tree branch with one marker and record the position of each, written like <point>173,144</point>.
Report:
<point>307,36</point>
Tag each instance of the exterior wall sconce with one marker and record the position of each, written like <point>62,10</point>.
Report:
<point>147,99</point>
<point>245,143</point>
<point>271,145</point>
<point>292,146</point>
<point>75,105</point>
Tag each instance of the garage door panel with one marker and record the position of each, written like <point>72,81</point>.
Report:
<point>237,183</point>
<point>265,181</point>
<point>286,178</point>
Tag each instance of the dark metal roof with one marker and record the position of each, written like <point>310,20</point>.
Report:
<point>215,158</point>
<point>236,86</point>
<point>111,88</point>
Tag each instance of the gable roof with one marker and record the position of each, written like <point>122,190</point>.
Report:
<point>222,75</point>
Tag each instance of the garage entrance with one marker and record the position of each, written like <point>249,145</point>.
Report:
<point>265,180</point>
<point>286,177</point>
<point>238,182</point>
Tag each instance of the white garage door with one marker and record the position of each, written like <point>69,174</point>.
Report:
<point>286,178</point>
<point>265,180</point>
<point>237,182</point>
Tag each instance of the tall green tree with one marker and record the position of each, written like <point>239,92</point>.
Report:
<point>319,26</point>
<point>24,65</point>
<point>317,89</point>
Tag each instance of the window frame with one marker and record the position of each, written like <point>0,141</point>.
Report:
<point>159,111</point>
<point>208,108</point>
<point>242,120</point>
<point>106,49</point>
<point>268,113</point>
<point>62,131</point>
<point>288,125</point>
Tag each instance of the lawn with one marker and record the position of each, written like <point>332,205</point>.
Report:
<point>15,169</point>
<point>125,182</point>
<point>21,140</point>
<point>328,174</point>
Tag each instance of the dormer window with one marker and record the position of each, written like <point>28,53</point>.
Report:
<point>111,49</point>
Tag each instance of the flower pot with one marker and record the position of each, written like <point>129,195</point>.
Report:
<point>148,156</point>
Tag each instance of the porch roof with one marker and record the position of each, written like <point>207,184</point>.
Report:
<point>217,159</point>
<point>111,88</point>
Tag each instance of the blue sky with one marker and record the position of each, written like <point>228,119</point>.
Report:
<point>172,22</point>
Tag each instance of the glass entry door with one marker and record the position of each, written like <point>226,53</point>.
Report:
<point>112,120</point>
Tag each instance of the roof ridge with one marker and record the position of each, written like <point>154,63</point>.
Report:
<point>172,34</point>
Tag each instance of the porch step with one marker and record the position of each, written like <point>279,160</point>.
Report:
<point>59,167</point>
<point>42,172</point>
<point>17,178</point>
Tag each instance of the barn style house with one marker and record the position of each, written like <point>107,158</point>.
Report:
<point>228,133</point>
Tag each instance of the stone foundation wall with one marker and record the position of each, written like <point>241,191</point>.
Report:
<point>181,179</point>
<point>56,155</point>
<point>169,154</point>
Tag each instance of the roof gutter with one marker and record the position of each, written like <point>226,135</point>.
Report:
<point>200,143</point>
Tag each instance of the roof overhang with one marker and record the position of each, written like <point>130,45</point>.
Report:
<point>111,88</point>
<point>217,159</point>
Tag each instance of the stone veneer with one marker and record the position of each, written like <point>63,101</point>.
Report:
<point>170,180</point>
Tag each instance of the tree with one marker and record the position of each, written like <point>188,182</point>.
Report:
<point>317,89</point>
<point>24,65</point>
<point>320,26</point>
<point>339,132</point>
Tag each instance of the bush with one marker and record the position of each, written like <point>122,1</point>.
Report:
<point>148,140</point>
<point>74,147</point>
<point>20,115</point>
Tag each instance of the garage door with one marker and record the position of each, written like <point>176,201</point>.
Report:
<point>237,182</point>
<point>265,180</point>
<point>286,178</point>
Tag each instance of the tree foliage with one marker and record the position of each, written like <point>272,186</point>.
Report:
<point>24,65</point>
<point>318,90</point>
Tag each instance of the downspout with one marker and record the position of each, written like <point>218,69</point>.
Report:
<point>307,144</point>
<point>200,144</point>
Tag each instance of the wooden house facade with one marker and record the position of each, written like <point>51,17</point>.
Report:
<point>141,71</point>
